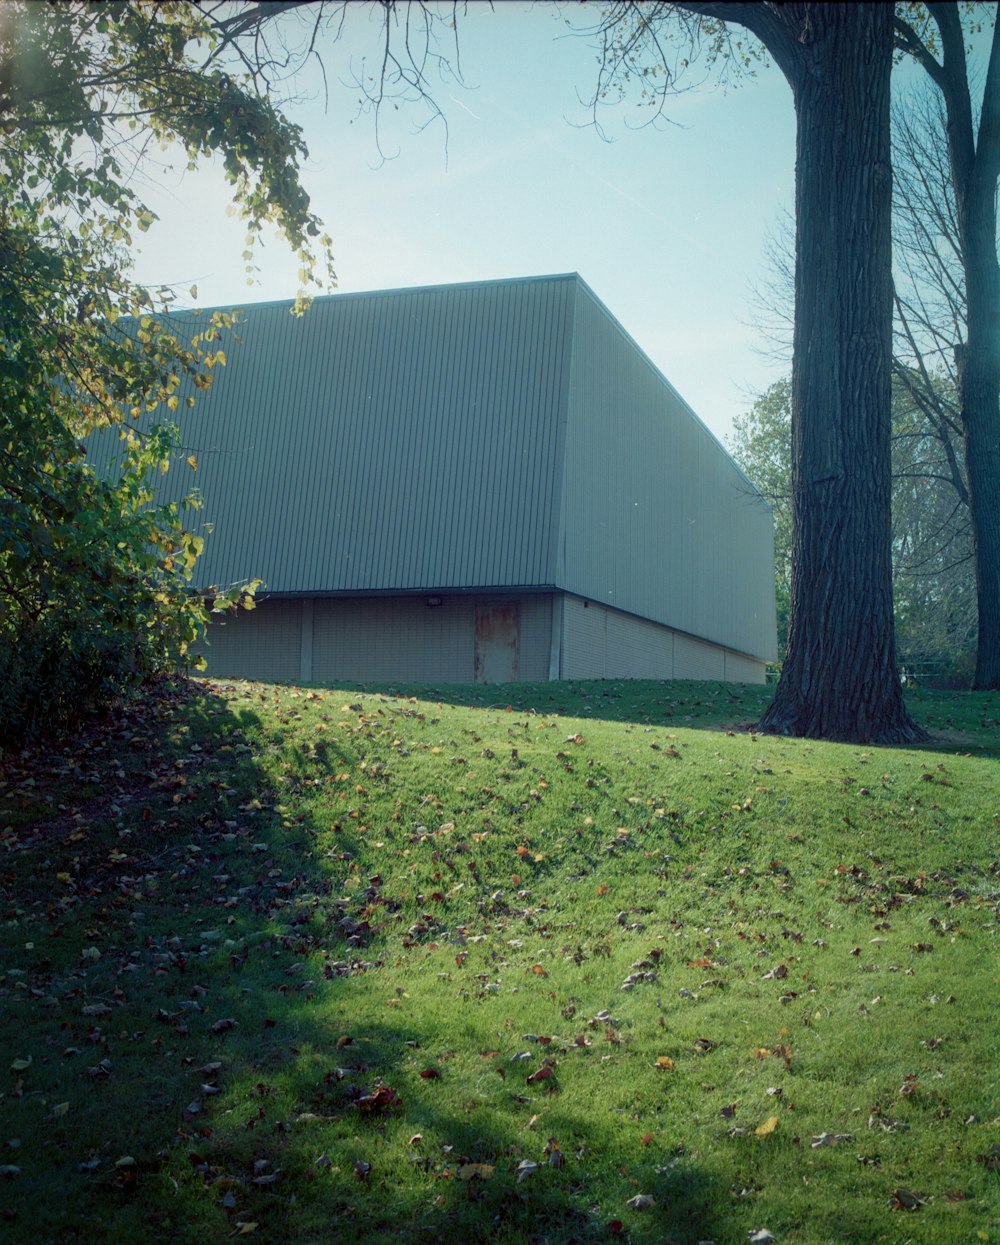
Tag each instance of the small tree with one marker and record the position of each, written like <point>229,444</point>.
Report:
<point>762,443</point>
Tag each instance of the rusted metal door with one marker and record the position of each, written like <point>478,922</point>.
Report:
<point>498,632</point>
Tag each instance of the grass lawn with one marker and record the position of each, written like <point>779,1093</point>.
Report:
<point>580,962</point>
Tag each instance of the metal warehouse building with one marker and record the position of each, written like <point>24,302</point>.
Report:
<point>483,482</point>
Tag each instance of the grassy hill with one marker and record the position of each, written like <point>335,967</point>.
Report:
<point>577,962</point>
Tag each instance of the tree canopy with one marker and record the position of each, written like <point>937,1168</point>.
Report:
<point>94,578</point>
<point>933,575</point>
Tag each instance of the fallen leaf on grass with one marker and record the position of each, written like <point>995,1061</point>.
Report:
<point>544,1073</point>
<point>475,1171</point>
<point>760,1236</point>
<point>526,1168</point>
<point>430,1074</point>
<point>663,1062</point>
<point>903,1199</point>
<point>641,1201</point>
<point>381,1100</point>
<point>768,1127</point>
<point>244,1229</point>
<point>224,1025</point>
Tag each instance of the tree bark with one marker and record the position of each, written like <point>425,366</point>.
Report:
<point>979,393</point>
<point>839,679</point>
<point>975,167</point>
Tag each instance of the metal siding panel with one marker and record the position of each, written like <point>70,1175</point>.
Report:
<point>536,637</point>
<point>740,669</point>
<point>384,638</point>
<point>638,649</point>
<point>261,644</point>
<point>694,659</point>
<point>405,439</point>
<point>658,521</point>
<point>585,653</point>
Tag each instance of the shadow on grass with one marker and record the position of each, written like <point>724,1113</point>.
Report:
<point>207,1044</point>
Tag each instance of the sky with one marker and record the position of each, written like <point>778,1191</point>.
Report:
<point>667,224</point>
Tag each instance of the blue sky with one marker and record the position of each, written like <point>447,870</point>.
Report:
<point>666,224</point>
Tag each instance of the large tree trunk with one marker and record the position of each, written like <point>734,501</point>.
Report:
<point>974,169</point>
<point>979,392</point>
<point>839,679</point>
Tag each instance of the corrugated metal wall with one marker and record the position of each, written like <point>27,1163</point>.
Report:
<point>601,643</point>
<point>372,639</point>
<point>394,638</point>
<point>657,519</point>
<point>262,644</point>
<point>741,669</point>
<point>408,439</point>
<point>584,640</point>
<point>638,649</point>
<point>694,659</point>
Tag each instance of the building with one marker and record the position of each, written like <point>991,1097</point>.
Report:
<point>482,482</point>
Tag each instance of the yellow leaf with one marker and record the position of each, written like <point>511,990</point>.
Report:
<point>244,1229</point>
<point>769,1125</point>
<point>664,1061</point>
<point>192,462</point>
<point>63,877</point>
<point>469,1171</point>
<point>60,1109</point>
